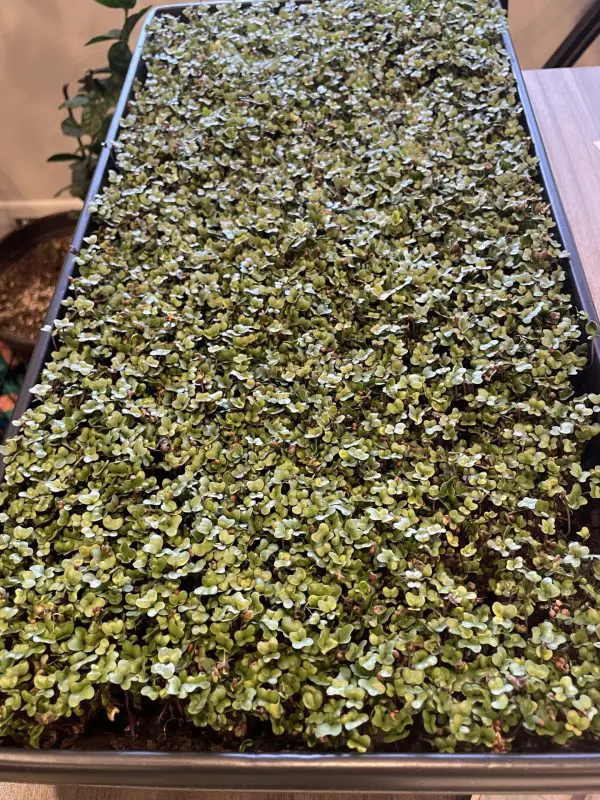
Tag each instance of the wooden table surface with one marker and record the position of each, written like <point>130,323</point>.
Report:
<point>14,791</point>
<point>567,106</point>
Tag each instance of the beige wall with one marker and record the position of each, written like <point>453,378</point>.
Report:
<point>41,47</point>
<point>539,26</point>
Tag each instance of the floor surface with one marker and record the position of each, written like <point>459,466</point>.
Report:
<point>14,791</point>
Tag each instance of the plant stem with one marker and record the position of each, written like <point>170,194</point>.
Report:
<point>72,117</point>
<point>130,717</point>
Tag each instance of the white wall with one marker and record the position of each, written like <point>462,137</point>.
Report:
<point>41,47</point>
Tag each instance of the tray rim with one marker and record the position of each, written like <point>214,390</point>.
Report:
<point>288,771</point>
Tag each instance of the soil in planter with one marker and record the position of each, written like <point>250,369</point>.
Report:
<point>27,287</point>
<point>165,728</point>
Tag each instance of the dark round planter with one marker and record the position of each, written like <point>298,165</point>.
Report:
<point>14,246</point>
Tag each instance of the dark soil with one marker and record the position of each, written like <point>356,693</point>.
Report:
<point>166,729</point>
<point>27,285</point>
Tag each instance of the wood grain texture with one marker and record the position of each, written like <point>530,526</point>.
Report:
<point>567,107</point>
<point>20,791</point>
<point>529,797</point>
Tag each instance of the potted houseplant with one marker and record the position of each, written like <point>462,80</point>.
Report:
<point>32,256</point>
<point>306,467</point>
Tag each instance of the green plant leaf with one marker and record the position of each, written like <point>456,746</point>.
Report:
<point>62,191</point>
<point>115,33</point>
<point>70,128</point>
<point>119,57</point>
<point>112,523</point>
<point>132,21</point>
<point>81,173</point>
<point>125,4</point>
<point>76,102</point>
<point>328,729</point>
<point>92,119</point>
<point>64,157</point>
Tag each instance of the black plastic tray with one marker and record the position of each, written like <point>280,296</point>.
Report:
<point>385,772</point>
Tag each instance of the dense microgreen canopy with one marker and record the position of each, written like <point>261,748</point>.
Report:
<point>308,451</point>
